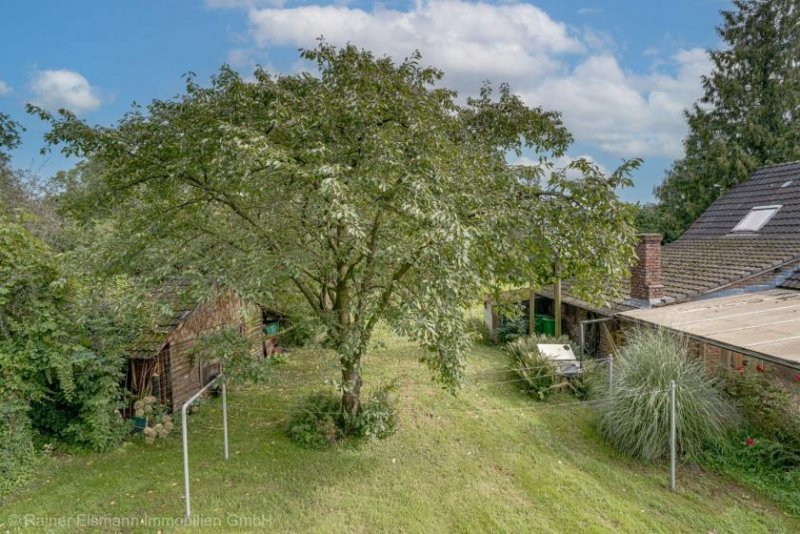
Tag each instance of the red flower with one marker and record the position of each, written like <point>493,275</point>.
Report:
<point>797,377</point>
<point>749,441</point>
<point>760,367</point>
<point>740,370</point>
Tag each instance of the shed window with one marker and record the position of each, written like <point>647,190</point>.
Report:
<point>756,218</point>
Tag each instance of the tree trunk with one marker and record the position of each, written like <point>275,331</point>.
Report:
<point>351,386</point>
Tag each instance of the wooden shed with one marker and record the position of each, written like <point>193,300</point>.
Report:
<point>160,364</point>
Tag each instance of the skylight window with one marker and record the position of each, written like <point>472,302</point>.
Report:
<point>756,218</point>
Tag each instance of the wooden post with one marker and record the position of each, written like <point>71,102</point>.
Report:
<point>557,298</point>
<point>531,312</point>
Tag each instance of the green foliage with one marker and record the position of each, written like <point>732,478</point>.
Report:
<point>539,375</point>
<point>477,328</point>
<point>234,350</point>
<point>764,464</point>
<point>55,385</point>
<point>17,454</point>
<point>511,328</point>
<point>378,416</point>
<point>302,331</point>
<point>764,451</point>
<point>767,407</point>
<point>389,199</point>
<point>657,219</point>
<point>9,136</point>
<point>319,421</point>
<point>636,419</point>
<point>747,117</point>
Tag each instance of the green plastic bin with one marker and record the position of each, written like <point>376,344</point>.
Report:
<point>545,324</point>
<point>272,328</point>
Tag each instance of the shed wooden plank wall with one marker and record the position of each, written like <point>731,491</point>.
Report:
<point>227,309</point>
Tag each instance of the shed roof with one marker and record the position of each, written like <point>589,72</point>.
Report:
<point>765,323</point>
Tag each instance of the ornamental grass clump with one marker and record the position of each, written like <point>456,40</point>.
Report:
<point>636,419</point>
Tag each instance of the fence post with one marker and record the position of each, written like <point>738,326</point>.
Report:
<point>610,375</point>
<point>225,416</point>
<point>185,434</point>
<point>673,453</point>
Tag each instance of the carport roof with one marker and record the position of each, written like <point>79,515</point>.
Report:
<point>765,323</point>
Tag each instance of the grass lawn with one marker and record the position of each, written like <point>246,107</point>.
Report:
<point>521,466</point>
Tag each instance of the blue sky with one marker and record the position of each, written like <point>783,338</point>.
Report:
<point>619,71</point>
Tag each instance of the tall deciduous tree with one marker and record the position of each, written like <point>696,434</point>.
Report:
<point>366,193</point>
<point>749,115</point>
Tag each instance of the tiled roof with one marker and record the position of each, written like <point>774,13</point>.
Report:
<point>691,267</point>
<point>775,185</point>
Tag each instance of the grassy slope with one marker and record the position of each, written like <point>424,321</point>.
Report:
<point>522,467</point>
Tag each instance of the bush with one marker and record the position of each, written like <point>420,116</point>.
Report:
<point>17,453</point>
<point>764,452</point>
<point>767,408</point>
<point>318,421</point>
<point>479,331</point>
<point>378,417</point>
<point>760,463</point>
<point>540,376</point>
<point>300,332</point>
<point>512,328</point>
<point>636,419</point>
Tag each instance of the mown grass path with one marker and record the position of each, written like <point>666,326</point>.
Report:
<point>520,467</point>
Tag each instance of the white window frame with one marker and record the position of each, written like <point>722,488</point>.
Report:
<point>746,224</point>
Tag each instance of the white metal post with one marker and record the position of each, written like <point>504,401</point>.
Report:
<point>225,416</point>
<point>673,453</point>
<point>610,375</point>
<point>185,434</point>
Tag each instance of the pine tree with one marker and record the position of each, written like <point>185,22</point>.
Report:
<point>749,115</point>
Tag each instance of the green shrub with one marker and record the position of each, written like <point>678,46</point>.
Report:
<point>479,331</point>
<point>318,421</point>
<point>512,328</point>
<point>765,465</point>
<point>764,451</point>
<point>767,408</point>
<point>300,332</point>
<point>539,375</point>
<point>636,419</point>
<point>17,453</point>
<point>378,417</point>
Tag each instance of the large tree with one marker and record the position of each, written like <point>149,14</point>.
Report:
<point>364,192</point>
<point>749,115</point>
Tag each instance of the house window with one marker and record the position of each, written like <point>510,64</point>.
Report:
<point>756,218</point>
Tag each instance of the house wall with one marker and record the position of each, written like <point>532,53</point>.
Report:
<point>226,309</point>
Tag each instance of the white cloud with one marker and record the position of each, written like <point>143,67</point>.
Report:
<point>5,89</point>
<point>548,63</point>
<point>623,113</point>
<point>505,42</point>
<point>64,89</point>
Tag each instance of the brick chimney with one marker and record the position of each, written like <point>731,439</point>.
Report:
<point>646,274</point>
